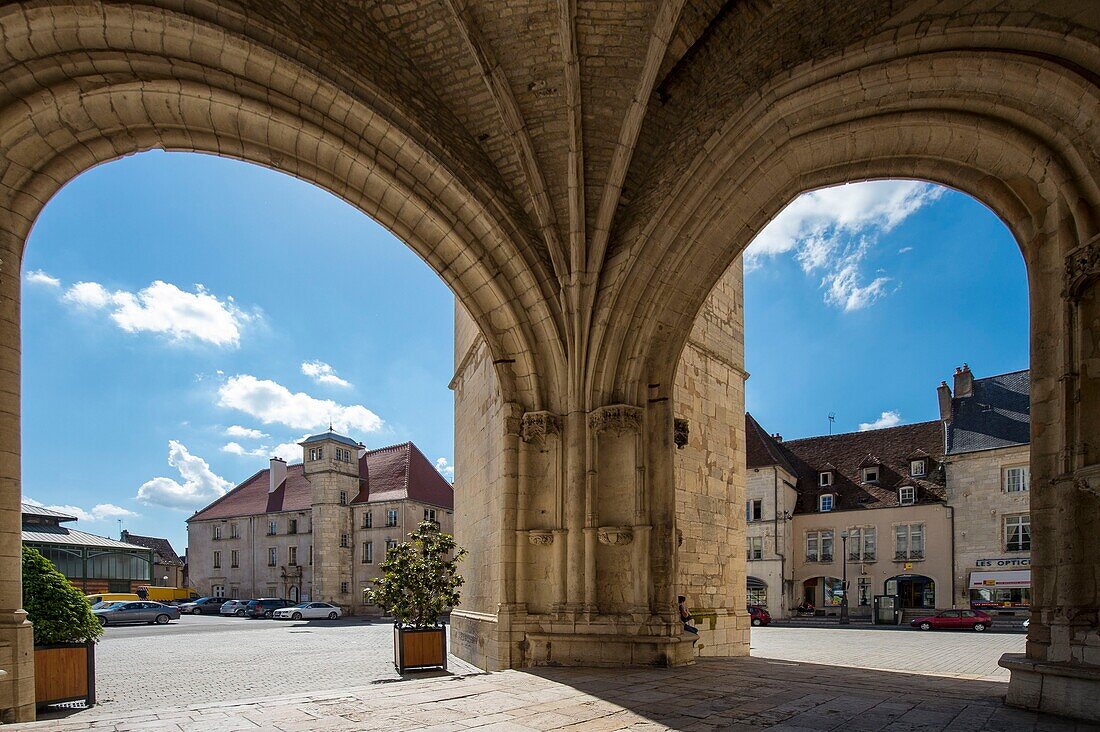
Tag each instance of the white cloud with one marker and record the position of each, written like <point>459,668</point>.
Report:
<point>322,373</point>
<point>443,466</point>
<point>98,512</point>
<point>166,309</point>
<point>38,277</point>
<point>903,250</point>
<point>832,229</point>
<point>289,451</point>
<point>246,433</point>
<point>887,419</point>
<point>271,402</point>
<point>234,448</point>
<point>200,484</point>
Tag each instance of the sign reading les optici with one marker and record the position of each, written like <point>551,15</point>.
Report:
<point>1004,562</point>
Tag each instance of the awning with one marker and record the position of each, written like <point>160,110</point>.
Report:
<point>1017,578</point>
<point>756,584</point>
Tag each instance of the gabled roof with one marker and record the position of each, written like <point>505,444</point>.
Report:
<point>996,414</point>
<point>47,534</point>
<point>846,454</point>
<point>163,553</point>
<point>761,449</point>
<point>385,474</point>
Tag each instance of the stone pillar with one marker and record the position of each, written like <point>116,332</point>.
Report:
<point>1060,673</point>
<point>16,636</point>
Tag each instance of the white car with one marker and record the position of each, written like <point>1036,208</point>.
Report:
<point>308,611</point>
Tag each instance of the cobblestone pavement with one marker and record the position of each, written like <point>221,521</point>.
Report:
<point>727,694</point>
<point>235,674</point>
<point>959,653</point>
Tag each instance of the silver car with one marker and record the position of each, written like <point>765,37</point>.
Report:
<point>136,612</point>
<point>234,607</point>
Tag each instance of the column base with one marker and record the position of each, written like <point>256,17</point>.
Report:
<point>613,651</point>
<point>1070,690</point>
<point>16,668</point>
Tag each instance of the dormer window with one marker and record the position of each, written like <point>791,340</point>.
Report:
<point>825,478</point>
<point>907,495</point>
<point>918,468</point>
<point>870,475</point>
<point>825,502</point>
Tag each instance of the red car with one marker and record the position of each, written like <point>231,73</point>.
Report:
<point>954,620</point>
<point>759,615</point>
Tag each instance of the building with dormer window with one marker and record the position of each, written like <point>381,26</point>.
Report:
<point>319,529</point>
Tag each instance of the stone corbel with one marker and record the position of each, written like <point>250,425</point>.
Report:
<point>615,535</point>
<point>1087,479</point>
<point>535,426</point>
<point>1081,265</point>
<point>616,418</point>
<point>540,537</point>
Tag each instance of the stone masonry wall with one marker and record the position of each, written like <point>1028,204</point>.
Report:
<point>710,471</point>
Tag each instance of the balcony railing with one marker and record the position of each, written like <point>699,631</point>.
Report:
<point>826,557</point>
<point>811,557</point>
<point>916,554</point>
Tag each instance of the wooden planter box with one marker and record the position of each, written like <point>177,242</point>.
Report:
<point>415,648</point>
<point>64,672</point>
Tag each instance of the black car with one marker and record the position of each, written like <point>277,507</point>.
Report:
<point>265,607</point>
<point>203,606</point>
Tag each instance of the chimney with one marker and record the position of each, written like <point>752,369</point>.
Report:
<point>277,474</point>
<point>964,382</point>
<point>943,391</point>
<point>777,437</point>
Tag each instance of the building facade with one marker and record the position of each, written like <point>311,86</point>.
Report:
<point>987,425</point>
<point>936,513</point>
<point>92,563</point>
<point>318,530</point>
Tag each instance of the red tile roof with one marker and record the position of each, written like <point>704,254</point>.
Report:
<point>386,474</point>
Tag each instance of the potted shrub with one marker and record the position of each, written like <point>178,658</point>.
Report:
<point>64,633</point>
<point>419,583</point>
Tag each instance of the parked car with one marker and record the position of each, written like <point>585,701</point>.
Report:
<point>954,620</point>
<point>265,607</point>
<point>142,611</point>
<point>203,606</point>
<point>233,607</point>
<point>759,615</point>
<point>307,611</point>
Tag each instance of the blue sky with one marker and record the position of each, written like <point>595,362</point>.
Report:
<point>184,316</point>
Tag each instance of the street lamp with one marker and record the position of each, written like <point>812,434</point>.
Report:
<point>844,578</point>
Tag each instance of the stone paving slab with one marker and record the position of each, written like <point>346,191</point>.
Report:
<point>727,694</point>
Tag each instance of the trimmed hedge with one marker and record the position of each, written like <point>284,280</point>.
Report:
<point>59,612</point>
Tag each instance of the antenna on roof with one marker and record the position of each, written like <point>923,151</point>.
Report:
<point>832,418</point>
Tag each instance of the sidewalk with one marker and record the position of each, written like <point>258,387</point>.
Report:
<point>732,694</point>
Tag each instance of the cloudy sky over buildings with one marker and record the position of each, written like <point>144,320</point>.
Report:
<point>185,317</point>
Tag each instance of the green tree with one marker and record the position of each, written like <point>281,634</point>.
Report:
<point>419,583</point>
<point>59,612</point>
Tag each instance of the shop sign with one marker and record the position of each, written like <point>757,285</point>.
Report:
<point>1004,562</point>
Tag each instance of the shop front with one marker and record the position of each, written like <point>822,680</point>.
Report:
<point>825,593</point>
<point>915,591</point>
<point>757,592</point>
<point>1003,593</point>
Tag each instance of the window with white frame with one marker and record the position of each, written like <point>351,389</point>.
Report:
<point>1017,479</point>
<point>754,510</point>
<point>272,528</point>
<point>343,498</point>
<point>217,560</point>
<point>819,546</point>
<point>217,531</point>
<point>1017,533</point>
<point>390,544</point>
<point>908,542</point>
<point>907,495</point>
<point>391,517</point>
<point>368,552</point>
<point>368,520</point>
<point>343,588</point>
<point>825,502</point>
<point>861,544</point>
<point>292,556</point>
<point>429,514</point>
<point>219,591</point>
<point>272,556</point>
<point>870,475</point>
<point>825,478</point>
<point>345,540</point>
<point>917,468</point>
<point>234,559</point>
<point>755,548</point>
<point>234,531</point>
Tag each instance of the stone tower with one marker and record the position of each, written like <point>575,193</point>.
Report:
<point>331,465</point>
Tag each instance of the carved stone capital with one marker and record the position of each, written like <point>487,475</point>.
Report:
<point>617,418</point>
<point>537,425</point>
<point>680,433</point>
<point>1082,264</point>
<point>540,537</point>
<point>1087,479</point>
<point>615,535</point>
